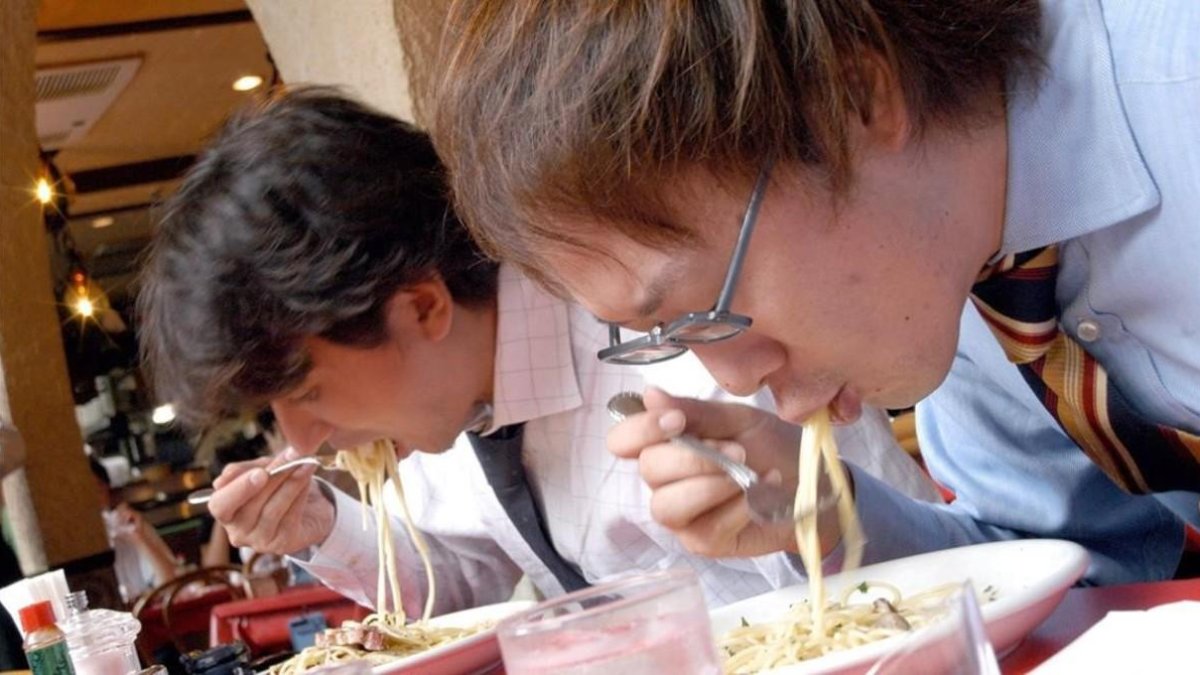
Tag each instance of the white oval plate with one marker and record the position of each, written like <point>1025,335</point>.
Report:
<point>468,655</point>
<point>1030,578</point>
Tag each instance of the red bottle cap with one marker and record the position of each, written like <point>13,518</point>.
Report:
<point>37,616</point>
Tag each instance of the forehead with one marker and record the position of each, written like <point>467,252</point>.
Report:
<point>611,266</point>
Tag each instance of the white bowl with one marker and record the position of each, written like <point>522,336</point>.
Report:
<point>1029,576</point>
<point>467,655</point>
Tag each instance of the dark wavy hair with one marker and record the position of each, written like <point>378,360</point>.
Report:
<point>303,218</point>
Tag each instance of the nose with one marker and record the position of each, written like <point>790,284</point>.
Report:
<point>303,430</point>
<point>741,364</point>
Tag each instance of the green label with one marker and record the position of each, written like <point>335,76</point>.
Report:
<point>52,660</point>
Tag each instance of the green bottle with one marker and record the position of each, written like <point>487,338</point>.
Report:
<point>45,644</point>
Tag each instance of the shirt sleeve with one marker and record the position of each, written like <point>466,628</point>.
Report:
<point>469,569</point>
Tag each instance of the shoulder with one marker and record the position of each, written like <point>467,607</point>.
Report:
<point>1153,41</point>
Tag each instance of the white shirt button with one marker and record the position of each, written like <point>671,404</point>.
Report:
<point>1088,330</point>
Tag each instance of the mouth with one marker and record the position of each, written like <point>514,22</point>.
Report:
<point>844,407</point>
<point>402,451</point>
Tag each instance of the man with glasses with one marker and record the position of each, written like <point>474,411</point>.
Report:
<point>987,207</point>
<point>310,262</point>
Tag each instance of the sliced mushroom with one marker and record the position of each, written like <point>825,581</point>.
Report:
<point>889,617</point>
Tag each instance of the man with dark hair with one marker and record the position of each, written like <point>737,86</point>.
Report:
<point>988,206</point>
<point>310,262</point>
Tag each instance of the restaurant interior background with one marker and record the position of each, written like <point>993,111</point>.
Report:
<point>104,104</point>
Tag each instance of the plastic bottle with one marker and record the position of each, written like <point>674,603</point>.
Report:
<point>101,641</point>
<point>45,644</point>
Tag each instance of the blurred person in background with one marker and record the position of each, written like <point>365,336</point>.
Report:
<point>142,559</point>
<point>12,457</point>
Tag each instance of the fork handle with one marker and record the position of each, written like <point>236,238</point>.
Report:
<point>741,474</point>
<point>288,466</point>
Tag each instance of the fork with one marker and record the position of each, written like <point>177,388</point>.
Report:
<point>326,462</point>
<point>769,502</point>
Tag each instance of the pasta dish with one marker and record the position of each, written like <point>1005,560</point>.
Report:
<point>817,627</point>
<point>385,635</point>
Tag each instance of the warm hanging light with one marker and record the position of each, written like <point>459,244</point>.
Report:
<point>85,307</point>
<point>247,83</point>
<point>43,191</point>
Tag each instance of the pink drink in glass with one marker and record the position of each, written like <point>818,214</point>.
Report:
<point>651,624</point>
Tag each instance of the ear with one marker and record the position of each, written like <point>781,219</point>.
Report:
<point>425,308</point>
<point>885,118</point>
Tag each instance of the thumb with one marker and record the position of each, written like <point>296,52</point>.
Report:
<point>705,419</point>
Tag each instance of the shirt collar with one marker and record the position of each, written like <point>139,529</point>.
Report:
<point>535,370</point>
<point>1074,166</point>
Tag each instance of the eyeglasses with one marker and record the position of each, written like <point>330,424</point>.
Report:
<point>666,341</point>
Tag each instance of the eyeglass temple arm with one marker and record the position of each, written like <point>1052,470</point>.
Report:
<point>749,220</point>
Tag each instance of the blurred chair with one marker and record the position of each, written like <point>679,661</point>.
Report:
<point>262,623</point>
<point>904,426</point>
<point>170,616</point>
<point>260,582</point>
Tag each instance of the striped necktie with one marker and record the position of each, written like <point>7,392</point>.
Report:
<point>1016,298</point>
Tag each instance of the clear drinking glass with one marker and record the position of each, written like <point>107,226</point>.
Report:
<point>956,645</point>
<point>647,624</point>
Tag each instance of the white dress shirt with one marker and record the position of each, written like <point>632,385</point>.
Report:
<point>596,507</point>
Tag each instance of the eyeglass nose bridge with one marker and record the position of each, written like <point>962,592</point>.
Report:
<point>662,344</point>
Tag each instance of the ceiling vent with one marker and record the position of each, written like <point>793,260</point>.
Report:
<point>70,99</point>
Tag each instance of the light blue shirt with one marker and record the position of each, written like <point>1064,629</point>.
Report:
<point>1104,158</point>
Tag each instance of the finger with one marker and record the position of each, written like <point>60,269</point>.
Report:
<point>235,469</point>
<point>262,519</point>
<point>237,492</point>
<point>706,419</point>
<point>637,432</point>
<point>669,462</point>
<point>289,495</point>
<point>677,505</point>
<point>715,533</point>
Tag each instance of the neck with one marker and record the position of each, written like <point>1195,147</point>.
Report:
<point>478,327</point>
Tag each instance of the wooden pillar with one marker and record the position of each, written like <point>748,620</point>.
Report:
<point>52,504</point>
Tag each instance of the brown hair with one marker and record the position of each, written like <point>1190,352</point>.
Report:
<point>578,109</point>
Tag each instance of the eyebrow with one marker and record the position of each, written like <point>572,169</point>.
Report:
<point>656,292</point>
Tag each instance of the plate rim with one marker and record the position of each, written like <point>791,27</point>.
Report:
<point>1076,562</point>
<point>421,658</point>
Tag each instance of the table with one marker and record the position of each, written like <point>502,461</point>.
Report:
<point>1082,608</point>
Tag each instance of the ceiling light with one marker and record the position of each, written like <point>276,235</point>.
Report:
<point>102,222</point>
<point>247,82</point>
<point>163,414</point>
<point>85,307</point>
<point>43,191</point>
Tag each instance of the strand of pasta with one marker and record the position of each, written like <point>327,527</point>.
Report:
<point>813,629</point>
<point>371,467</point>
<point>417,539</point>
<point>753,648</point>
<point>807,534</point>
